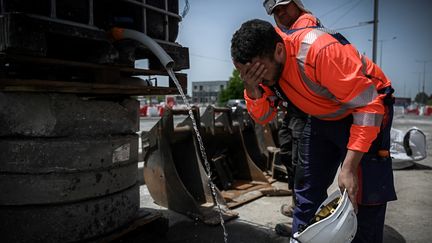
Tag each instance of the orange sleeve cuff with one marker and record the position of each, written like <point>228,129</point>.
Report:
<point>253,102</point>
<point>358,146</point>
<point>260,109</point>
<point>361,137</point>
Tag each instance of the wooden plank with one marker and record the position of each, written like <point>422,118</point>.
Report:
<point>244,192</point>
<point>244,198</point>
<point>240,185</point>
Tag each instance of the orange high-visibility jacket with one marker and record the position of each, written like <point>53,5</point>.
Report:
<point>326,77</point>
<point>304,20</point>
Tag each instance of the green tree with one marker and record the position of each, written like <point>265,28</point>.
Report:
<point>234,89</point>
<point>429,102</point>
<point>421,98</point>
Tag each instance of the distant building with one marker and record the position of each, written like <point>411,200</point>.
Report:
<point>207,92</point>
<point>402,101</point>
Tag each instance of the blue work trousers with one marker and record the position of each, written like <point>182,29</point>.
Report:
<point>322,149</point>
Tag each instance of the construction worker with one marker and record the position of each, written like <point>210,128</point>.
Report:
<point>289,15</point>
<point>348,100</point>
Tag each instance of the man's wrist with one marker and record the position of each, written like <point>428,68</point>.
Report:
<point>253,92</point>
<point>352,160</point>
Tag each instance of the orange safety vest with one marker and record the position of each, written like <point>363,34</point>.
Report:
<point>326,77</point>
<point>304,20</point>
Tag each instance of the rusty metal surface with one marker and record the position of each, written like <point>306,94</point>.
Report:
<point>254,137</point>
<point>174,173</point>
<point>222,137</point>
<point>225,141</point>
<point>174,166</point>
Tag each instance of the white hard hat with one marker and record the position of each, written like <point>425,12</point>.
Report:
<point>335,222</point>
<point>269,5</point>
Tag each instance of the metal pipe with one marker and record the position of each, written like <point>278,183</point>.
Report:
<point>91,14</point>
<point>166,22</point>
<point>144,11</point>
<point>53,8</point>
<point>2,6</point>
<point>62,21</point>
<point>154,47</point>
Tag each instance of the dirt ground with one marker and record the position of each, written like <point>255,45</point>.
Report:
<point>409,219</point>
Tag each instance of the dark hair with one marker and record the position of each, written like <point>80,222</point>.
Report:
<point>255,38</point>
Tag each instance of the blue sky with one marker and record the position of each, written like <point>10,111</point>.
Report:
<point>208,27</point>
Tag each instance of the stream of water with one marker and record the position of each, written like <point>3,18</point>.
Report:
<point>202,149</point>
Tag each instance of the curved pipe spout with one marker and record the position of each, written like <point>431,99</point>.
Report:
<point>164,58</point>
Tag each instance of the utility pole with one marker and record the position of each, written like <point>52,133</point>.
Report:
<point>419,84</point>
<point>424,72</point>
<point>381,48</point>
<point>418,81</point>
<point>375,32</point>
<point>381,51</point>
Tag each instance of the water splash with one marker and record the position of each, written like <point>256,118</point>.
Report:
<point>202,150</point>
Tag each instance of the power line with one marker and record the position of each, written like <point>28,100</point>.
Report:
<point>347,12</point>
<point>334,9</point>
<point>210,58</point>
<point>361,24</point>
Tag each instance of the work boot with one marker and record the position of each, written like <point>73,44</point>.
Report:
<point>287,210</point>
<point>284,229</point>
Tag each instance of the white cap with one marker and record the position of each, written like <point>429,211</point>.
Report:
<point>269,5</point>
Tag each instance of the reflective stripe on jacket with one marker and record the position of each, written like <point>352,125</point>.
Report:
<point>326,77</point>
<point>303,21</point>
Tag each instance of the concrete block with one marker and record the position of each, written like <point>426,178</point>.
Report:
<point>68,222</point>
<point>66,155</point>
<point>35,189</point>
<point>59,115</point>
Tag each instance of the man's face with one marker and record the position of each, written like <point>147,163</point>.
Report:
<point>286,15</point>
<point>274,70</point>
